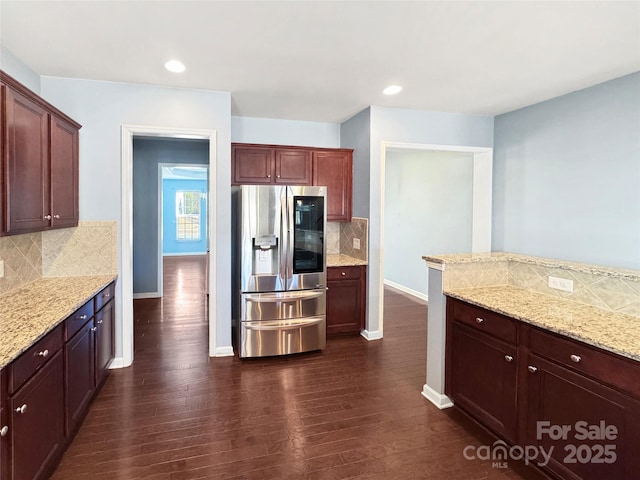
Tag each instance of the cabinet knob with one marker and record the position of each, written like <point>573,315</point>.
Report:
<point>99,322</point>
<point>3,431</point>
<point>268,176</point>
<point>47,217</point>
<point>43,354</point>
<point>93,329</point>
<point>575,358</point>
<point>479,320</point>
<point>508,358</point>
<point>344,274</point>
<point>106,295</point>
<point>532,369</point>
<point>22,409</point>
<point>56,216</point>
<point>82,317</point>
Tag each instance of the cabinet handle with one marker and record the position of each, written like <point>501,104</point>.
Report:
<point>532,369</point>
<point>22,409</point>
<point>43,354</point>
<point>3,431</point>
<point>575,358</point>
<point>508,358</point>
<point>93,329</point>
<point>47,217</point>
<point>479,320</point>
<point>56,216</point>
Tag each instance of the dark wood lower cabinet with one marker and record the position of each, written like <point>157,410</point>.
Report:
<point>48,389</point>
<point>575,405</point>
<point>104,342</point>
<point>346,299</point>
<point>592,431</point>
<point>37,422</point>
<point>483,378</point>
<point>79,354</point>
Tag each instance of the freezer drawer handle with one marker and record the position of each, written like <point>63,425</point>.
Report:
<point>289,326</point>
<point>301,295</point>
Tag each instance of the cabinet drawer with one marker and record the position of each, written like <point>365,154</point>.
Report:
<point>483,320</point>
<point>603,366</point>
<point>33,359</point>
<point>104,296</point>
<point>344,273</point>
<point>78,319</point>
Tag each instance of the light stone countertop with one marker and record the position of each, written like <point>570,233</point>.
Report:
<point>335,260</point>
<point>30,312</point>
<point>614,332</point>
<point>459,258</point>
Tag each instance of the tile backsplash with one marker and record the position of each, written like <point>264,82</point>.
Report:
<point>22,257</point>
<point>340,237</point>
<point>88,249</point>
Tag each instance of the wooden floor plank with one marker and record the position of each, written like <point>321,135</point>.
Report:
<point>352,411</point>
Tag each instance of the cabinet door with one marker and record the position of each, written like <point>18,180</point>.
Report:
<point>64,173</point>
<point>27,164</point>
<point>556,399</point>
<point>251,165</point>
<point>79,375</point>
<point>293,167</point>
<point>345,300</point>
<point>4,441</point>
<point>37,426</point>
<point>483,378</point>
<point>334,170</point>
<point>104,341</point>
<point>3,153</point>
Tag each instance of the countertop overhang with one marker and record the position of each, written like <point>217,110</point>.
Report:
<point>30,312</point>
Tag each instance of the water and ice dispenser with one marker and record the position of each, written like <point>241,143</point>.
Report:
<point>265,255</point>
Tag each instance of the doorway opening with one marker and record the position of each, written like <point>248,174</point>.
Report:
<point>129,133</point>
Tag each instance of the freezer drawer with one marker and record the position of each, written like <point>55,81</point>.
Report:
<point>281,337</point>
<point>283,305</point>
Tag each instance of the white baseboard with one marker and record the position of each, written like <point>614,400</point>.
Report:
<point>137,296</point>
<point>224,352</point>
<point>374,335</point>
<point>118,362</point>
<point>407,290</point>
<point>439,400</point>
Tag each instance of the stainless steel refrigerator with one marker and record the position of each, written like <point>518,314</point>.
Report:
<point>280,269</point>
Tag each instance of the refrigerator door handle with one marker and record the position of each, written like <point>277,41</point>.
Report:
<point>284,235</point>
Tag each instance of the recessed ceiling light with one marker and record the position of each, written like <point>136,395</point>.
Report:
<point>174,66</point>
<point>392,90</point>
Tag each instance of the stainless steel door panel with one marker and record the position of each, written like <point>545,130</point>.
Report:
<point>283,305</point>
<point>281,337</point>
<point>262,215</point>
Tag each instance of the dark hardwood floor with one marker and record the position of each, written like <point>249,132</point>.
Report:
<point>353,410</point>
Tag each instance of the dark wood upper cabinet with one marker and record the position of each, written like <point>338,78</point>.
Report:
<point>254,164</point>
<point>292,167</point>
<point>64,173</point>
<point>335,171</point>
<point>39,154</point>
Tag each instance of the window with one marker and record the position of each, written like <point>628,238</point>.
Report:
<point>188,215</point>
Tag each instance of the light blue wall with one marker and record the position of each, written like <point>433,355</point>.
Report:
<point>356,133</point>
<point>102,108</point>
<point>410,126</point>
<point>148,153</point>
<point>170,243</point>
<point>567,176</point>
<point>428,209</point>
<point>19,70</point>
<point>285,132</point>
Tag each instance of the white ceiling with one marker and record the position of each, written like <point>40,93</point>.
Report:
<point>326,61</point>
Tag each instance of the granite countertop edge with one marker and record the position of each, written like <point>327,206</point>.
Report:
<point>341,260</point>
<point>30,312</point>
<point>491,257</point>
<point>590,325</point>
